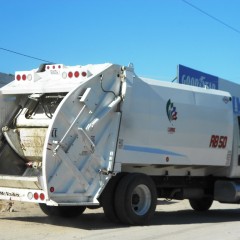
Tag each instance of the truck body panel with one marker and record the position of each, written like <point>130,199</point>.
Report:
<point>148,136</point>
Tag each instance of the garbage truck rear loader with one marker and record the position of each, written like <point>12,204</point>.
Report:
<point>98,135</point>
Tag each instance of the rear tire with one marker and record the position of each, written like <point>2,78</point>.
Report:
<point>107,198</point>
<point>135,199</point>
<point>201,205</point>
<point>62,211</point>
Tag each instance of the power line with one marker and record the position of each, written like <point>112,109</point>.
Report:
<point>25,55</point>
<point>211,16</point>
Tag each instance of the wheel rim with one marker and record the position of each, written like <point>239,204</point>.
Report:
<point>141,200</point>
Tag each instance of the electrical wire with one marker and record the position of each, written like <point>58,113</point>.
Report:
<point>211,16</point>
<point>24,55</point>
<point>106,91</point>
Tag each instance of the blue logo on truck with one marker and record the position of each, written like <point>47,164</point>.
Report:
<point>196,78</point>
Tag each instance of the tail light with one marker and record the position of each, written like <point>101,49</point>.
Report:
<point>36,196</point>
<point>70,74</point>
<point>42,196</point>
<point>24,77</point>
<point>75,74</point>
<point>18,77</point>
<point>54,66</point>
<point>84,74</point>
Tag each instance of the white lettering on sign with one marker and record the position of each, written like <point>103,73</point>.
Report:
<point>198,82</point>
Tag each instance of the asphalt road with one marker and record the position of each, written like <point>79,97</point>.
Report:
<point>173,220</point>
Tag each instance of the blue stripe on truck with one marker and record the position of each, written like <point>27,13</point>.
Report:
<point>150,150</point>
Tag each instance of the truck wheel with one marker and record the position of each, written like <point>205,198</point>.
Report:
<point>107,198</point>
<point>62,211</point>
<point>135,199</point>
<point>201,205</point>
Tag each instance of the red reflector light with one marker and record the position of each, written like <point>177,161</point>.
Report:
<point>18,77</point>
<point>84,74</point>
<point>76,74</point>
<point>42,196</point>
<point>70,74</point>
<point>52,189</point>
<point>59,66</point>
<point>48,67</point>
<point>53,67</point>
<point>35,196</point>
<point>24,77</point>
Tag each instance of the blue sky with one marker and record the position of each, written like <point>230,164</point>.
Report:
<point>155,35</point>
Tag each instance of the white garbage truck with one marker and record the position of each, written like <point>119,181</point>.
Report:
<point>77,137</point>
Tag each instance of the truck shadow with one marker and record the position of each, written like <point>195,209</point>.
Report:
<point>193,217</point>
<point>97,221</point>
